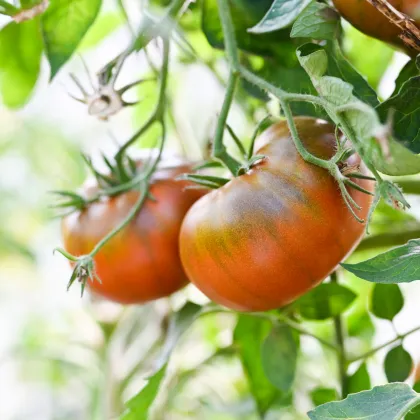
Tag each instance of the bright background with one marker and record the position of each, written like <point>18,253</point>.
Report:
<point>59,358</point>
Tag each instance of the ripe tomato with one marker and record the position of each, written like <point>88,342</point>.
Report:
<point>369,20</point>
<point>268,236</point>
<point>142,262</point>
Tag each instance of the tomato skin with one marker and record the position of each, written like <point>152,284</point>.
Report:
<point>365,17</point>
<point>141,263</point>
<point>269,236</point>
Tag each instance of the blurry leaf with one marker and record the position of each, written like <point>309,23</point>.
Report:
<point>138,407</point>
<point>317,21</point>
<point>399,160</point>
<point>405,112</point>
<point>246,14</point>
<point>180,321</point>
<point>398,364</point>
<point>399,265</point>
<point>323,395</point>
<point>281,14</point>
<point>388,402</point>
<point>360,325</point>
<point>8,245</point>
<point>104,25</point>
<point>386,301</point>
<point>248,337</point>
<point>411,69</point>
<point>325,301</point>
<point>64,25</point>
<point>368,55</point>
<point>279,357</point>
<point>20,58</point>
<point>359,381</point>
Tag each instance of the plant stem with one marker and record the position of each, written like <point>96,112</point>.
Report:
<point>157,114</point>
<point>219,149</point>
<point>382,346</point>
<point>342,357</point>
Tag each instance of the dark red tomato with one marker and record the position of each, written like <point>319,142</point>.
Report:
<point>369,20</point>
<point>270,235</point>
<point>142,262</point>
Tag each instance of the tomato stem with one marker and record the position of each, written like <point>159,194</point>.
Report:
<point>342,357</point>
<point>219,150</point>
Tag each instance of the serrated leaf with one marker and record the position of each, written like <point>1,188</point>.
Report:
<point>388,402</point>
<point>64,25</point>
<point>405,112</point>
<point>282,13</point>
<point>279,357</point>
<point>398,364</point>
<point>249,334</point>
<point>386,301</point>
<point>325,301</point>
<point>321,396</point>
<point>317,21</point>
<point>359,381</point>
<point>138,407</point>
<point>399,265</point>
<point>20,60</point>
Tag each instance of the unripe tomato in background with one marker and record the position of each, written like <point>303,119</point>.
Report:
<point>142,262</point>
<point>270,235</point>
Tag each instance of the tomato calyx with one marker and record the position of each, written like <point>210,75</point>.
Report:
<point>105,100</point>
<point>84,269</point>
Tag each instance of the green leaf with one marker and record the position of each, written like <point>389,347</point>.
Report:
<point>386,301</point>
<point>388,402</point>
<point>405,112</point>
<point>248,337</point>
<point>398,364</point>
<point>325,301</point>
<point>321,396</point>
<point>20,60</point>
<point>359,381</point>
<point>411,69</point>
<point>415,413</point>
<point>138,406</point>
<point>281,14</point>
<point>64,25</point>
<point>317,21</point>
<point>399,265</point>
<point>279,357</point>
<point>245,14</point>
<point>397,161</point>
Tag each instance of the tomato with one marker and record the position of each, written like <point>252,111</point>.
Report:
<point>369,20</point>
<point>141,263</point>
<point>270,235</point>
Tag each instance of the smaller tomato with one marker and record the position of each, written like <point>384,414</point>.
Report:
<point>141,263</point>
<point>365,17</point>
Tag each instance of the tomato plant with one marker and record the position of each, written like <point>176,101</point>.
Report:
<point>142,262</point>
<point>244,242</point>
<point>296,236</point>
